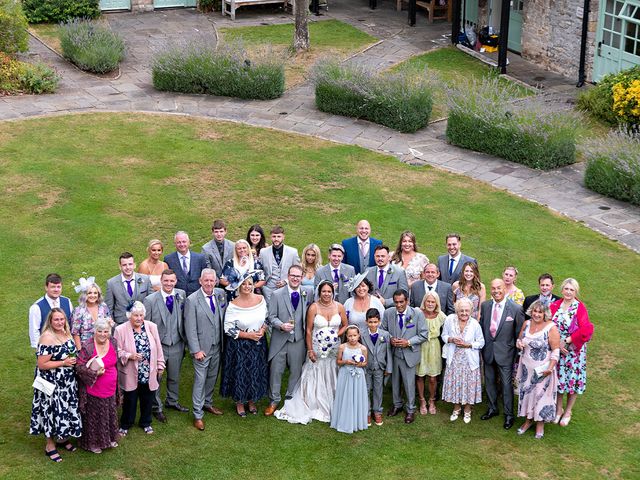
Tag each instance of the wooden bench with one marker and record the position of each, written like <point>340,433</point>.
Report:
<point>229,7</point>
<point>434,11</point>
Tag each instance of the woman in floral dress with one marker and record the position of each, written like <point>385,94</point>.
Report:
<point>509,277</point>
<point>537,377</point>
<point>407,256</point>
<point>91,308</point>
<point>56,414</point>
<point>572,319</point>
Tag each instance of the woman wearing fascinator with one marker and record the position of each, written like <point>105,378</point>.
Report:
<point>313,397</point>
<point>91,308</point>
<point>361,300</point>
<point>242,262</point>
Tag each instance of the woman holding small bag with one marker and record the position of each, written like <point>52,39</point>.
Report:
<point>55,395</point>
<point>98,390</point>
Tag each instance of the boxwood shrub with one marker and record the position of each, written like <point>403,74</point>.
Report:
<point>226,71</point>
<point>398,100</point>
<point>487,117</point>
<point>55,11</point>
<point>91,46</point>
<point>13,28</point>
<point>613,166</point>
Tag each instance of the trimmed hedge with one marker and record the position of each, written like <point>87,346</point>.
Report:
<point>90,46</point>
<point>398,100</point>
<point>484,117</point>
<point>225,71</point>
<point>55,11</point>
<point>613,166</point>
<point>13,28</point>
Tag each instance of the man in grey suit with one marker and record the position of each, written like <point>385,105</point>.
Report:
<point>186,264</point>
<point>450,265</point>
<point>165,308</point>
<point>219,249</point>
<point>203,325</point>
<point>125,289</point>
<point>276,260</point>
<point>337,272</point>
<point>386,278</point>
<point>430,283</point>
<point>287,347</point>
<point>408,329</point>
<point>501,320</point>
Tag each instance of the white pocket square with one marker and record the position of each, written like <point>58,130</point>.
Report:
<point>508,319</point>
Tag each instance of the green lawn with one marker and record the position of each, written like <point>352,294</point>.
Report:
<point>48,33</point>
<point>328,38</point>
<point>78,190</point>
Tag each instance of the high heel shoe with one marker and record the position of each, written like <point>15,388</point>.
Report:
<point>432,406</point>
<point>558,417</point>
<point>240,410</point>
<point>423,406</point>
<point>524,428</point>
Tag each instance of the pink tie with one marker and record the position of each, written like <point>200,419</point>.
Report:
<point>493,328</point>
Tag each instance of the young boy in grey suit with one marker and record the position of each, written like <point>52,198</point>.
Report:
<point>379,362</point>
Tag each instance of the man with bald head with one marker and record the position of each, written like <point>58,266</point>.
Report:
<point>359,250</point>
<point>501,320</point>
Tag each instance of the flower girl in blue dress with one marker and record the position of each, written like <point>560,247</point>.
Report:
<point>350,405</point>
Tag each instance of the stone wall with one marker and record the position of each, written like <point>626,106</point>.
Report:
<point>551,33</point>
<point>141,5</point>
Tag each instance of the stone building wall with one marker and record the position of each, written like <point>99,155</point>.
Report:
<point>551,33</point>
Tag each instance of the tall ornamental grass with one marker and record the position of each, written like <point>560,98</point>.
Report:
<point>613,166</point>
<point>90,46</point>
<point>399,100</point>
<point>226,71</point>
<point>487,117</point>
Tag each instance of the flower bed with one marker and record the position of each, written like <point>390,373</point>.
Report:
<point>90,46</point>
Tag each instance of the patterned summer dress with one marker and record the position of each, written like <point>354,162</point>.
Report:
<point>57,415</point>
<point>572,367</point>
<point>537,394</point>
<point>461,384</point>
<point>475,300</point>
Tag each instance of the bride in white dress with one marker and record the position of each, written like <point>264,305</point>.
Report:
<point>313,397</point>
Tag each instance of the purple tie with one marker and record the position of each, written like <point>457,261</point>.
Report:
<point>380,278</point>
<point>295,299</point>
<point>400,321</point>
<point>374,337</point>
<point>213,307</point>
<point>336,278</point>
<point>129,289</point>
<point>170,303</point>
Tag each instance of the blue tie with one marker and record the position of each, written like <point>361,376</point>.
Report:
<point>451,266</point>
<point>336,278</point>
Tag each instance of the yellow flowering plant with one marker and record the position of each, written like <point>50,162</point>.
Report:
<point>626,101</point>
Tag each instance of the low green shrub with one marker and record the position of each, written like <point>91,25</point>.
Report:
<point>13,28</point>
<point>483,116</point>
<point>21,77</point>
<point>54,11</point>
<point>91,46</point>
<point>613,166</point>
<point>599,100</point>
<point>225,71</point>
<point>398,100</point>
<point>210,5</point>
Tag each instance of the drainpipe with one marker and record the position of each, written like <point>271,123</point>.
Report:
<point>583,44</point>
<point>455,21</point>
<point>504,35</point>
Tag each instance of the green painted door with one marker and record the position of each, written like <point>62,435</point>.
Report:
<point>470,12</point>
<point>617,38</point>
<point>115,5</point>
<point>173,3</point>
<point>514,42</point>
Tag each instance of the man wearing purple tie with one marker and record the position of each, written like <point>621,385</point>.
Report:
<point>386,278</point>
<point>287,320</point>
<point>337,272</point>
<point>125,289</point>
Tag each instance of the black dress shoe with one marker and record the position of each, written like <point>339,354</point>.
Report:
<point>409,417</point>
<point>394,411</point>
<point>490,414</point>
<point>160,416</point>
<point>177,407</point>
<point>508,422</point>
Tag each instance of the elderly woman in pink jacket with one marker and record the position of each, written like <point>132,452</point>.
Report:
<point>140,365</point>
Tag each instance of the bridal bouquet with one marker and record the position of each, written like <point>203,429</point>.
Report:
<point>327,339</point>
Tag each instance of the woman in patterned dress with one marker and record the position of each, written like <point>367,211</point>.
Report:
<point>539,341</point>
<point>470,286</point>
<point>140,365</point>
<point>56,414</point>
<point>509,277</point>
<point>91,308</point>
<point>406,255</point>
<point>463,340</point>
<point>572,319</point>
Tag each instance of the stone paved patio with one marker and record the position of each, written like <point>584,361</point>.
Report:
<point>561,190</point>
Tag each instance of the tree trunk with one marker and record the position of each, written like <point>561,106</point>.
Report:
<point>301,33</point>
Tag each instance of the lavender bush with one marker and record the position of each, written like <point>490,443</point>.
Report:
<point>487,116</point>
<point>227,71</point>
<point>399,100</point>
<point>91,46</point>
<point>613,166</point>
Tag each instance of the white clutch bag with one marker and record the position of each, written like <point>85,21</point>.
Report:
<point>43,385</point>
<point>542,368</point>
<point>95,364</point>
